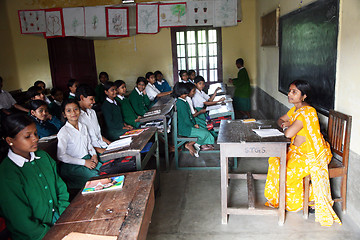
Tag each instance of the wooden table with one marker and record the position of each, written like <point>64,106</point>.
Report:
<point>125,213</point>
<point>165,105</point>
<point>237,139</point>
<point>137,144</point>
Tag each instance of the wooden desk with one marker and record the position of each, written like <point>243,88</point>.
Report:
<point>125,213</point>
<point>237,139</point>
<point>165,105</point>
<point>137,144</point>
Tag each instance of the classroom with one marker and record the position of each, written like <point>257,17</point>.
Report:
<point>25,59</point>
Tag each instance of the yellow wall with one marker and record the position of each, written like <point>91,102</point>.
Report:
<point>347,69</point>
<point>125,58</point>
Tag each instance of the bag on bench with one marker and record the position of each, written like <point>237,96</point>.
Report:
<point>118,165</point>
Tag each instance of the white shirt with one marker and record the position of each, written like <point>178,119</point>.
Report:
<point>74,144</point>
<point>187,81</point>
<point>47,100</point>
<point>6,100</point>
<point>160,83</point>
<point>72,94</point>
<point>189,101</point>
<point>19,160</point>
<point>89,119</point>
<point>151,91</point>
<point>199,98</point>
<point>111,101</point>
<point>138,91</point>
<point>121,97</point>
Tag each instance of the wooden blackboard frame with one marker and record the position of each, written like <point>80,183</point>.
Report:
<point>308,40</point>
<point>270,28</point>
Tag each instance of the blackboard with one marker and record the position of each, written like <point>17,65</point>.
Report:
<point>308,50</point>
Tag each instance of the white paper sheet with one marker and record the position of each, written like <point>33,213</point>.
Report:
<point>200,13</point>
<point>269,132</point>
<point>95,24</point>
<point>32,21</point>
<point>147,17</point>
<point>117,22</point>
<point>124,142</point>
<point>74,22</point>
<point>54,23</point>
<point>172,14</point>
<point>225,13</point>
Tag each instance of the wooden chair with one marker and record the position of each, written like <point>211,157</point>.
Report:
<point>339,131</point>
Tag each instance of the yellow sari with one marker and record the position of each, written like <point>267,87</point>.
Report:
<point>312,157</point>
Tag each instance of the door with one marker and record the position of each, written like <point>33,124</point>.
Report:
<point>69,58</point>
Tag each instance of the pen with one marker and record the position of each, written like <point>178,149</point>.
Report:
<point>264,126</point>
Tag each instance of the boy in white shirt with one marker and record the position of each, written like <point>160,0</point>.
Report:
<point>86,97</point>
<point>201,98</point>
<point>151,90</point>
<point>7,101</point>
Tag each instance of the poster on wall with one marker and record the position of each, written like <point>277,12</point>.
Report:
<point>172,14</point>
<point>200,13</point>
<point>225,13</point>
<point>32,21</point>
<point>95,23</point>
<point>74,22</point>
<point>147,18</point>
<point>117,22</point>
<point>54,23</point>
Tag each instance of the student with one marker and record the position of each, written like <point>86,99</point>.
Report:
<point>241,100</point>
<point>115,125</point>
<point>200,98</point>
<point>46,124</point>
<point>128,112</point>
<point>86,97</point>
<point>35,93</point>
<point>33,196</point>
<point>161,83</point>
<point>183,76</point>
<point>55,106</point>
<point>72,85</point>
<point>78,157</point>
<point>7,101</point>
<point>138,97</point>
<point>186,123</point>
<point>198,114</point>
<point>191,75</point>
<point>151,90</point>
<point>42,85</point>
<point>99,90</point>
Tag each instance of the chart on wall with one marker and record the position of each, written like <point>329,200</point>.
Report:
<point>32,21</point>
<point>117,22</point>
<point>200,13</point>
<point>54,23</point>
<point>74,22</point>
<point>172,14</point>
<point>225,13</point>
<point>95,24</point>
<point>147,18</point>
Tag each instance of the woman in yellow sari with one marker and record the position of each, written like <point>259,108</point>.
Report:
<point>308,154</point>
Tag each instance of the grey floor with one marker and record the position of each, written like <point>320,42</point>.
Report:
<point>188,207</point>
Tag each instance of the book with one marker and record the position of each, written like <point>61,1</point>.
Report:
<point>213,107</point>
<point>269,132</point>
<point>133,133</point>
<point>121,143</point>
<point>152,113</point>
<point>104,184</point>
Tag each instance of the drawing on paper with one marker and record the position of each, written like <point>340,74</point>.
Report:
<point>172,15</point>
<point>95,23</point>
<point>32,21</point>
<point>147,18</point>
<point>225,12</point>
<point>200,13</point>
<point>117,20</point>
<point>74,22</point>
<point>117,23</point>
<point>54,23</point>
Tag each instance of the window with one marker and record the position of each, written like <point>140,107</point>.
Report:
<point>197,49</point>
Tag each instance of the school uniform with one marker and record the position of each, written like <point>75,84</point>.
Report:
<point>139,101</point>
<point>242,93</point>
<point>100,95</point>
<point>128,112</point>
<point>163,86</point>
<point>33,196</point>
<point>199,98</point>
<point>6,100</point>
<point>55,109</point>
<point>48,127</point>
<point>113,119</point>
<point>152,92</point>
<point>89,118</point>
<point>71,95</point>
<point>187,81</point>
<point>186,124</point>
<point>74,146</point>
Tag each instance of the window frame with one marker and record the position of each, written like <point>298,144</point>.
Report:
<point>219,52</point>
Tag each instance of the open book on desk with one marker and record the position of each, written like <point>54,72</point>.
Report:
<point>121,143</point>
<point>213,107</point>
<point>268,132</point>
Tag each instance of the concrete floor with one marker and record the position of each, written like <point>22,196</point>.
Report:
<point>188,207</point>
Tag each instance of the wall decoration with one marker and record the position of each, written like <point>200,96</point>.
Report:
<point>54,23</point>
<point>117,22</point>
<point>147,18</point>
<point>172,14</point>
<point>225,13</point>
<point>32,21</point>
<point>74,22</point>
<point>270,28</point>
<point>200,13</point>
<point>95,23</point>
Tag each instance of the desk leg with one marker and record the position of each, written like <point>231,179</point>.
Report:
<point>138,161</point>
<point>166,144</point>
<point>282,186</point>
<point>224,183</point>
<point>157,156</point>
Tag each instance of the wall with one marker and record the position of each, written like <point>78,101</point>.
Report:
<point>347,72</point>
<point>125,58</point>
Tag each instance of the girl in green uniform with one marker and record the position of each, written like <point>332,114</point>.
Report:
<point>138,97</point>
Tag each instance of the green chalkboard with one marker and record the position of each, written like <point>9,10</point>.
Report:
<point>308,50</point>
